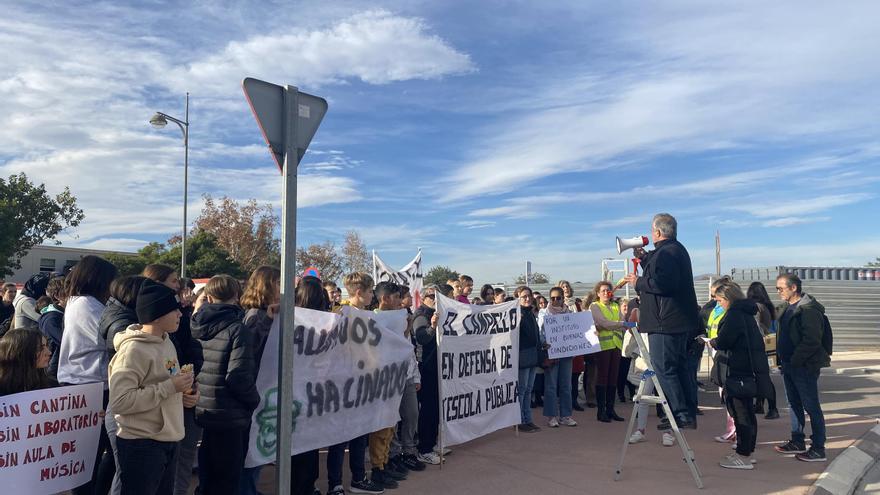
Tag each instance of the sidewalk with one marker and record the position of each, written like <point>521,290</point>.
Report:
<point>582,460</point>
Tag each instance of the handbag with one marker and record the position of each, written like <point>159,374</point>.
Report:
<point>742,387</point>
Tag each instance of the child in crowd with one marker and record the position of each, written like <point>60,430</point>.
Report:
<point>147,387</point>
<point>228,384</point>
<point>52,321</point>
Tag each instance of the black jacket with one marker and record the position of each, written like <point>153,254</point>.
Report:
<point>227,381</point>
<point>738,333</point>
<point>258,324</point>
<point>52,326</point>
<point>427,338</point>
<point>115,318</point>
<point>668,300</point>
<point>188,349</point>
<point>800,335</point>
<point>529,339</point>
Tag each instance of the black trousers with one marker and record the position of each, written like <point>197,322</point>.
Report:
<point>743,413</point>
<point>303,473</point>
<point>221,459</point>
<point>146,467</point>
<point>105,464</point>
<point>429,408</point>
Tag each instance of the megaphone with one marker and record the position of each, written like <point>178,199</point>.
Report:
<point>632,243</point>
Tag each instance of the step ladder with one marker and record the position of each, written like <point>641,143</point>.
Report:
<point>659,398</point>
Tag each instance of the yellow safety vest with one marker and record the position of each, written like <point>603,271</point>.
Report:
<point>610,339</point>
<point>712,324</point>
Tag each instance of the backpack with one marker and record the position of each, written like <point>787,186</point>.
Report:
<point>827,335</point>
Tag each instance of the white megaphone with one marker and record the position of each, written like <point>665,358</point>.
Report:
<point>635,242</point>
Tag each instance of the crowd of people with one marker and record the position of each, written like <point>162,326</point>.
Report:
<point>179,366</point>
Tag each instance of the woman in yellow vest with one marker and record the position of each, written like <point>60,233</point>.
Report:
<point>610,325</point>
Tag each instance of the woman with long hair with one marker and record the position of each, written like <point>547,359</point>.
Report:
<point>83,356</point>
<point>557,375</point>
<point>766,317</point>
<point>610,326</point>
<point>24,358</point>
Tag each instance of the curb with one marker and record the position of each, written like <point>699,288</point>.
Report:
<point>843,475</point>
<point>858,370</point>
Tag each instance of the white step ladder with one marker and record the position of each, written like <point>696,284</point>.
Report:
<point>660,398</point>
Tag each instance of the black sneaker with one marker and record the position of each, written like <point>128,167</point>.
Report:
<point>772,414</point>
<point>791,448</point>
<point>336,490</point>
<point>687,424</point>
<point>528,428</point>
<point>811,455</point>
<point>366,486</point>
<point>392,472</point>
<point>381,477</point>
<point>411,463</point>
<point>664,425</point>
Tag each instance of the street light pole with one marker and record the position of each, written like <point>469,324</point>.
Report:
<point>160,120</point>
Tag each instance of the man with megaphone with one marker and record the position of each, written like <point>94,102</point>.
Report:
<point>669,314</point>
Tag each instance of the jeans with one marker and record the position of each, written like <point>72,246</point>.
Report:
<point>247,485</point>
<point>221,460</point>
<point>802,391</point>
<point>743,413</point>
<point>526,381</point>
<point>643,407</point>
<point>693,393</point>
<point>669,357</point>
<point>409,422</point>
<point>357,451</point>
<point>557,389</point>
<point>147,466</point>
<point>112,428</point>
<point>186,452</point>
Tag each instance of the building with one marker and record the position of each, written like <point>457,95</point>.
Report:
<point>53,259</point>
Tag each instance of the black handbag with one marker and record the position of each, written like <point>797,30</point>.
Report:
<point>742,387</point>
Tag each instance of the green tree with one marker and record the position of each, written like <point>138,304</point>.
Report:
<point>30,216</point>
<point>537,278</point>
<point>204,258</point>
<point>245,230</point>
<point>439,275</point>
<point>874,263</point>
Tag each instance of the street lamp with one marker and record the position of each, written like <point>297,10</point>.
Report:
<point>159,121</point>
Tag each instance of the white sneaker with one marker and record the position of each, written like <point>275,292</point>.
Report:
<point>735,461</point>
<point>446,450</point>
<point>553,423</point>
<point>568,421</point>
<point>637,437</point>
<point>429,458</point>
<point>668,439</point>
<point>753,460</point>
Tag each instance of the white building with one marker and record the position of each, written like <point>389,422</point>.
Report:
<point>53,259</point>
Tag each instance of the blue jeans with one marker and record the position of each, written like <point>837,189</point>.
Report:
<point>526,381</point>
<point>693,367</point>
<point>669,357</point>
<point>557,389</point>
<point>802,391</point>
<point>357,449</point>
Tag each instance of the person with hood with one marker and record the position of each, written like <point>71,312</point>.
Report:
<point>742,346</point>
<point>557,375</point>
<point>148,391</point>
<point>227,382</point>
<point>119,314</point>
<point>800,347</point>
<point>26,314</point>
<point>52,321</point>
<point>529,350</point>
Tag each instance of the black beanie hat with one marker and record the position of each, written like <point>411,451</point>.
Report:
<point>155,301</point>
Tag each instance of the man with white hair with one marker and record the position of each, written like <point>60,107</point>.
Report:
<point>669,314</point>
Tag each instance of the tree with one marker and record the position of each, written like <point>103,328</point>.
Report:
<point>323,257</point>
<point>355,257</point>
<point>204,258</point>
<point>246,231</point>
<point>439,275</point>
<point>874,263</point>
<point>537,278</point>
<point>29,216</point>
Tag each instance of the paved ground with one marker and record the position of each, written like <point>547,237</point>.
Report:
<point>581,460</point>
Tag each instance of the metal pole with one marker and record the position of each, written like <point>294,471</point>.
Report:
<point>185,185</point>
<point>288,304</point>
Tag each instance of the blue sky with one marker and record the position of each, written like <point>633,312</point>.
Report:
<point>487,133</point>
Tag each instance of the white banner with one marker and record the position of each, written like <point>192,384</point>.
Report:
<point>570,334</point>
<point>479,368</point>
<point>349,371</point>
<point>410,275</point>
<point>49,437</point>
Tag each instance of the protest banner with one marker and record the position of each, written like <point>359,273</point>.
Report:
<point>570,334</point>
<point>410,275</point>
<point>49,437</point>
<point>479,368</point>
<point>349,372</point>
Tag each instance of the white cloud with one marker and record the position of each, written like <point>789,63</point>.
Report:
<point>376,47</point>
<point>788,209</point>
